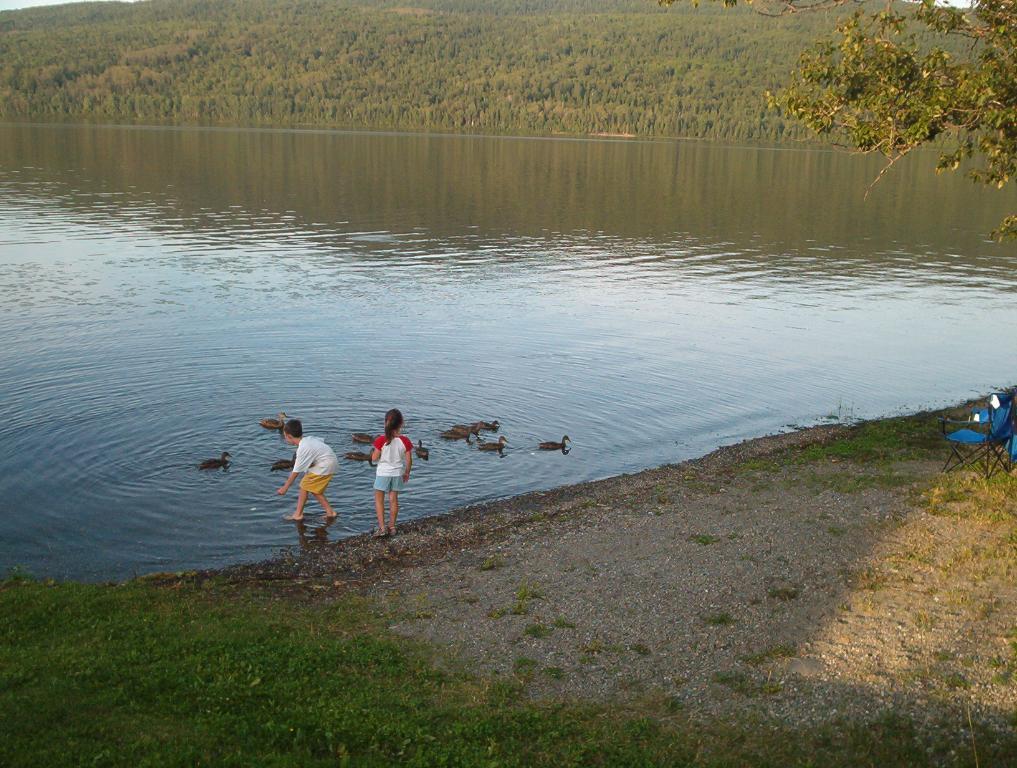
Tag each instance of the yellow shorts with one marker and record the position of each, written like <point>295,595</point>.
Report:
<point>313,483</point>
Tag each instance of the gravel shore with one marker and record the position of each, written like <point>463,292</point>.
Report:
<point>779,578</point>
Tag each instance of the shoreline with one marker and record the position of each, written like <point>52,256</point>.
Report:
<point>361,559</point>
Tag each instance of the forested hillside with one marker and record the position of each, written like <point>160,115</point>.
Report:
<point>519,66</point>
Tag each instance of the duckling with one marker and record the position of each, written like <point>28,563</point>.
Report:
<point>490,426</point>
<point>284,463</point>
<point>499,446</point>
<point>421,451</point>
<point>221,463</point>
<point>362,437</point>
<point>551,446</point>
<point>278,423</point>
<point>359,456</point>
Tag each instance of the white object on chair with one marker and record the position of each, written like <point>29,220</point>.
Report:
<point>976,417</point>
<point>994,401</point>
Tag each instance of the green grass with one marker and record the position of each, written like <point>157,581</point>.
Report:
<point>770,654</point>
<point>184,675</point>
<point>524,594</point>
<point>741,683</point>
<point>537,630</point>
<point>704,539</point>
<point>886,440</point>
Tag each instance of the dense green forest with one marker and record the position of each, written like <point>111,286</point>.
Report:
<point>492,66</point>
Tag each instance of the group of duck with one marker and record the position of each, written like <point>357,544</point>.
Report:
<point>455,432</point>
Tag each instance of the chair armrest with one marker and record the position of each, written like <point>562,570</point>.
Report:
<point>962,423</point>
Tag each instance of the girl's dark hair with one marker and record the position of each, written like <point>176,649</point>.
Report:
<point>393,421</point>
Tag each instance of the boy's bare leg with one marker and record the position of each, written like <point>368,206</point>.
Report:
<point>329,512</point>
<point>393,508</point>
<point>379,509</point>
<point>301,500</point>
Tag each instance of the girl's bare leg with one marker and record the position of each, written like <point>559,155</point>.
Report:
<point>379,508</point>
<point>393,509</point>
<point>301,500</point>
<point>329,512</point>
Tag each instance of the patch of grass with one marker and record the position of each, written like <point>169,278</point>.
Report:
<point>835,530</point>
<point>562,623</point>
<point>770,654</point>
<point>722,619</point>
<point>879,442</point>
<point>592,648</point>
<point>1003,677</point>
<point>739,682</point>
<point>526,592</point>
<point>845,482</point>
<point>702,486</point>
<point>870,579</point>
<point>758,465</point>
<point>524,666</point>
<point>421,609</point>
<point>555,673</point>
<point>640,648</point>
<point>181,674</point>
<point>970,495</point>
<point>492,562</point>
<point>784,594</point>
<point>496,613</point>
<point>704,539</point>
<point>956,681</point>
<point>537,630</point>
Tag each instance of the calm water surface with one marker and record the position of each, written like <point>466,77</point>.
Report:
<point>164,289</point>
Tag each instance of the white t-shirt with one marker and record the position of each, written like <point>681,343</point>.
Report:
<point>392,462</point>
<point>313,455</point>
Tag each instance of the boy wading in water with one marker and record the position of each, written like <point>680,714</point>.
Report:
<point>393,453</point>
<point>315,459</point>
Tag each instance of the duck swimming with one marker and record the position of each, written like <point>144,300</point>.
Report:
<point>362,437</point>
<point>459,432</point>
<point>421,451</point>
<point>551,446</point>
<point>221,463</point>
<point>490,426</point>
<point>359,456</point>
<point>284,463</point>
<point>278,423</point>
<point>499,446</point>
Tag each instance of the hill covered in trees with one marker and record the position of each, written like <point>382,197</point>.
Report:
<point>491,66</point>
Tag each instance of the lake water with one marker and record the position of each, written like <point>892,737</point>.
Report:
<point>165,289</point>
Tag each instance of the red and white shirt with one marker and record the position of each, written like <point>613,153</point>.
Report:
<point>392,462</point>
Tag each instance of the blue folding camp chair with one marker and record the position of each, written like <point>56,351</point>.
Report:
<point>988,440</point>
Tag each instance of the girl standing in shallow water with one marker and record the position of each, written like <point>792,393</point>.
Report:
<point>393,453</point>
